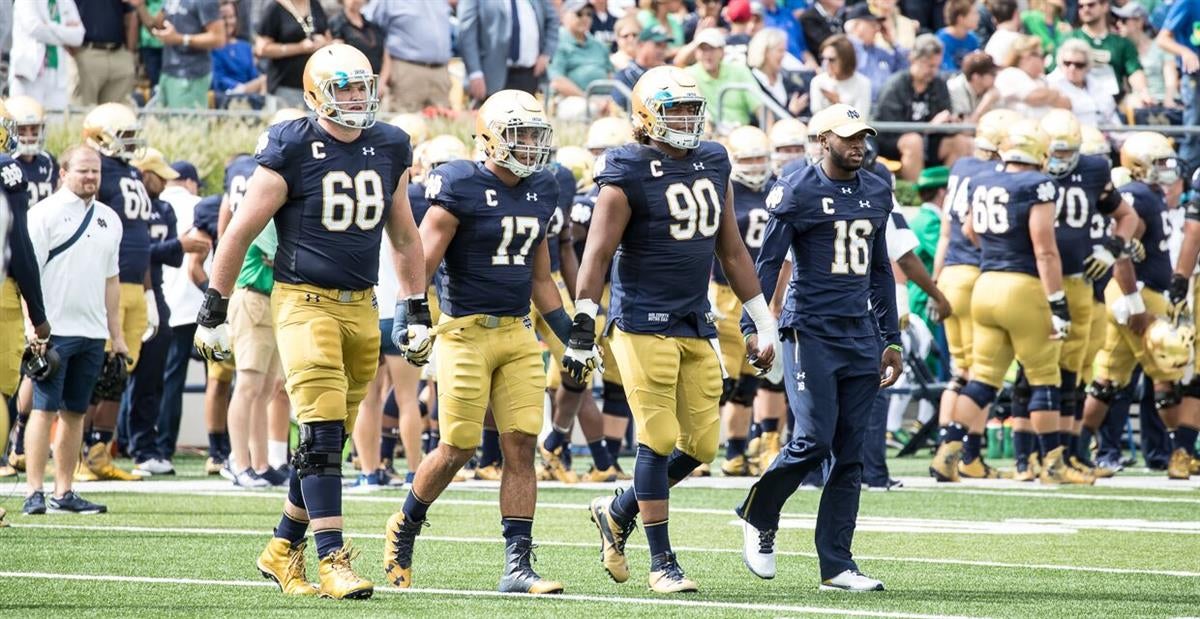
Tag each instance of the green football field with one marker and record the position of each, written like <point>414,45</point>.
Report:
<point>185,546</point>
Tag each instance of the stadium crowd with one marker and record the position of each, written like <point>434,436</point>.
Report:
<point>760,63</point>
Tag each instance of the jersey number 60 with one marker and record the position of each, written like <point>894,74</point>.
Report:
<point>339,209</point>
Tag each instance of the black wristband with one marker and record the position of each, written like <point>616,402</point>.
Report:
<point>1059,308</point>
<point>583,332</point>
<point>1116,246</point>
<point>417,311</point>
<point>213,310</point>
<point>1178,288</point>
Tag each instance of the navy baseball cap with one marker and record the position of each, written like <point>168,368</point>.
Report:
<point>187,172</point>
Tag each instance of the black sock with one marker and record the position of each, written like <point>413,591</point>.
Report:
<point>971,447</point>
<point>99,436</point>
<point>1048,442</point>
<point>214,445</point>
<point>953,432</point>
<point>769,425</point>
<point>1022,448</point>
<point>291,530</point>
<point>625,507</point>
<point>554,440</point>
<point>600,458</point>
<point>516,527</point>
<point>225,447</point>
<point>657,537</point>
<point>613,444</point>
<point>734,447</point>
<point>414,508</point>
<point>1185,437</point>
<point>489,451</point>
<point>19,440</point>
<point>387,444</point>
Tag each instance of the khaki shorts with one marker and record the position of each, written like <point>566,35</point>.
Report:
<point>252,332</point>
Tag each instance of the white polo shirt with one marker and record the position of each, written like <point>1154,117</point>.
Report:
<point>181,295</point>
<point>73,283</point>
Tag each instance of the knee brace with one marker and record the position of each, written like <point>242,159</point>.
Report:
<point>767,385</point>
<point>982,395</point>
<point>320,449</point>
<point>680,466</point>
<point>956,384</point>
<point>1103,392</point>
<point>1192,389</point>
<point>745,390</point>
<point>727,386</point>
<point>1166,399</point>
<point>615,404</point>
<point>1067,402</point>
<point>569,384</point>
<point>1045,398</point>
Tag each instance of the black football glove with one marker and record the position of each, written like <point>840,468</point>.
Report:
<point>582,356</point>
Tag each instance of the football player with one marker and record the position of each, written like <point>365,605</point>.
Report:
<point>1085,189</point>
<point>789,141</point>
<point>1018,304</point>
<point>114,130</point>
<point>663,211</point>
<point>39,166</point>
<point>331,184</point>
<point>750,153</point>
<point>1185,270</point>
<point>838,350</point>
<point>488,221</point>
<point>955,269</point>
<point>23,282</point>
<point>1152,162</point>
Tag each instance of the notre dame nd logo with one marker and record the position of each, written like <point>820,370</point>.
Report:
<point>852,114</point>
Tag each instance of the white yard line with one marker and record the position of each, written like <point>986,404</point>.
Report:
<point>603,599</point>
<point>497,540</point>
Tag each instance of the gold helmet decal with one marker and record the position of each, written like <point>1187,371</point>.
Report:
<point>30,121</point>
<point>1150,157</point>
<point>750,155</point>
<point>789,141</point>
<point>512,129</point>
<point>1024,143</point>
<point>1066,137</point>
<point>668,107</point>
<point>337,68</point>
<point>114,130</point>
<point>992,127</point>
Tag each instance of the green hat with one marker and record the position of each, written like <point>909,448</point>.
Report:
<point>933,178</point>
<point>653,33</point>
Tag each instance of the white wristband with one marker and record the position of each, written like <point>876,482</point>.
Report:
<point>587,306</point>
<point>1134,303</point>
<point>764,320</point>
<point>902,299</point>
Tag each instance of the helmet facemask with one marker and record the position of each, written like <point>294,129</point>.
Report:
<point>344,112</point>
<point>523,145</point>
<point>681,130</point>
<point>1058,165</point>
<point>752,175</point>
<point>125,144</point>
<point>1163,171</point>
<point>30,145</point>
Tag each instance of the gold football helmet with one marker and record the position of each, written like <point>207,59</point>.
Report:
<point>608,132</point>
<point>789,138</point>
<point>512,129</point>
<point>284,114</point>
<point>1150,158</point>
<point>1120,177</point>
<point>668,107</point>
<point>412,124</point>
<point>1093,142</point>
<point>336,67</point>
<point>579,161</point>
<point>114,130</point>
<point>1062,128</point>
<point>8,129</point>
<point>441,149</point>
<point>990,131</point>
<point>30,121</point>
<point>1169,345</point>
<point>1024,143</point>
<point>750,154</point>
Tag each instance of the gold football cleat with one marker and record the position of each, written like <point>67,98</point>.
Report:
<point>99,462</point>
<point>612,539</point>
<point>978,469</point>
<point>490,472</point>
<point>1180,464</point>
<point>338,580</point>
<point>553,464</point>
<point>398,541</point>
<point>1056,471</point>
<point>213,467</point>
<point>1032,469</point>
<point>595,475</point>
<point>667,577</point>
<point>283,563</point>
<point>944,466</point>
<point>738,466</point>
<point>704,470</point>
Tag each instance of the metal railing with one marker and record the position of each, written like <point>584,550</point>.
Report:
<point>766,104</point>
<point>606,87</point>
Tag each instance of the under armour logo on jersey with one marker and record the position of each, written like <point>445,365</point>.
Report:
<point>864,204</point>
<point>847,190</point>
<point>531,197</point>
<point>43,170</point>
<point>368,151</point>
<point>1076,178</point>
<point>11,174</point>
<point>697,166</point>
<point>800,380</point>
<point>311,298</point>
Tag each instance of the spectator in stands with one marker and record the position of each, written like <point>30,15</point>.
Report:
<point>628,32</point>
<point>895,29</point>
<point>839,81</point>
<point>875,62</point>
<point>919,95</point>
<point>1008,28</point>
<point>234,69</point>
<point>665,13</point>
<point>418,50</point>
<point>707,15</point>
<point>1179,37</point>
<point>189,31</point>
<point>971,92</point>
<point>81,294</point>
<point>651,52</point>
<point>1162,74</point>
<point>821,21</point>
<point>743,25</point>
<point>789,89</point>
<point>1116,59</point>
<point>288,32</point>
<point>775,15</point>
<point>502,52</point>
<point>150,49</point>
<point>579,59</point>
<point>1090,100</point>
<point>1044,20</point>
<point>42,31</point>
<point>713,75</point>
<point>958,36</point>
<point>1021,85</point>
<point>604,24</point>
<point>352,28</point>
<point>104,63</point>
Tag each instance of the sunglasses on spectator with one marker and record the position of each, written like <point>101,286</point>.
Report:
<point>1078,64</point>
<point>587,14</point>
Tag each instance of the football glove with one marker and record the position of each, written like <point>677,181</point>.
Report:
<point>1102,258</point>
<point>1060,316</point>
<point>1177,297</point>
<point>151,316</point>
<point>583,356</point>
<point>1137,251</point>
<point>212,335</point>
<point>411,329</point>
<point>1126,306</point>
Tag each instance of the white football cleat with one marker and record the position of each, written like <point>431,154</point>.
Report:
<point>758,550</point>
<point>852,580</point>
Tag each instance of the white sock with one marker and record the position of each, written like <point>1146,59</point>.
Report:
<point>277,453</point>
<point>925,411</point>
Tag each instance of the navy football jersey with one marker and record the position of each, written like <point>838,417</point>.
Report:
<point>339,196</point>
<point>836,233</point>
<point>1000,206</point>
<point>165,248</point>
<point>237,177</point>
<point>877,168</point>
<point>41,174</point>
<point>22,263</point>
<point>663,263</point>
<point>961,250</point>
<point>206,215</point>
<point>1085,191</point>
<point>581,215</point>
<point>750,208</point>
<point>489,262</point>
<point>1192,210</point>
<point>417,201</point>
<point>121,189</point>
<point>566,198</point>
<point>1150,204</point>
